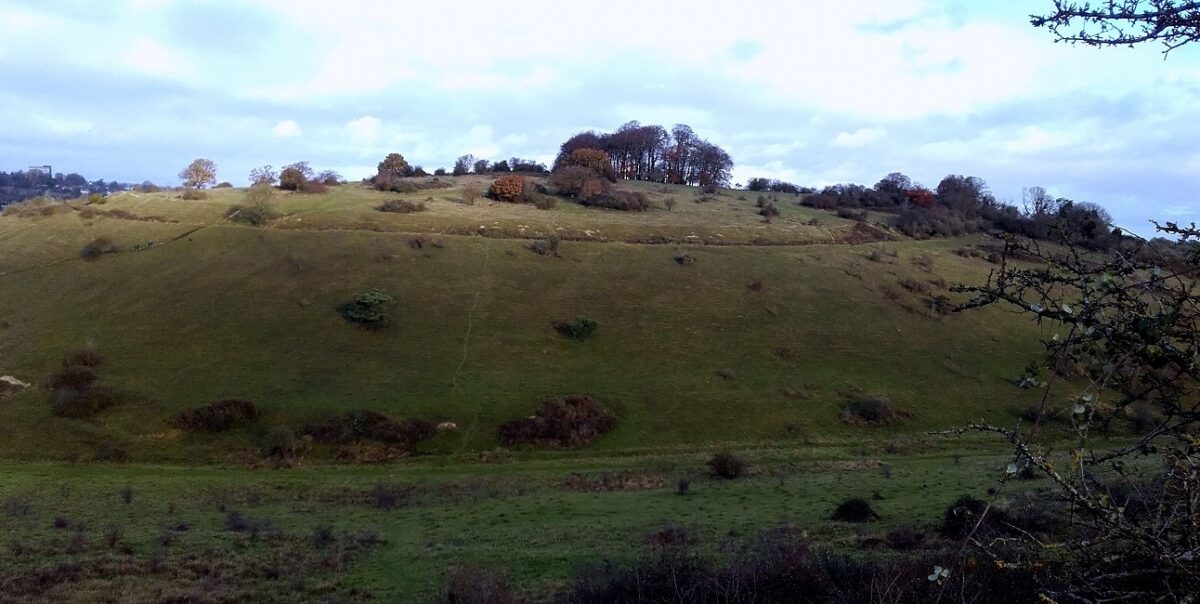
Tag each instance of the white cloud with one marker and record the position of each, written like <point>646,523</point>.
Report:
<point>859,138</point>
<point>286,129</point>
<point>153,58</point>
<point>364,130</point>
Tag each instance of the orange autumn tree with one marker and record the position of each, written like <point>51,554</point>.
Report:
<point>508,188</point>
<point>593,159</point>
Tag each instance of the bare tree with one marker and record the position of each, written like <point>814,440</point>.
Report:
<point>263,175</point>
<point>1173,23</point>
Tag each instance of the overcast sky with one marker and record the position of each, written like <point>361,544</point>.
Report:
<point>811,92</point>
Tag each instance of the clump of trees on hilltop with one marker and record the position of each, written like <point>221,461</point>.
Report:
<point>652,153</point>
<point>964,204</point>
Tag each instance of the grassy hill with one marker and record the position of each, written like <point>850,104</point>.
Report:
<point>755,341</point>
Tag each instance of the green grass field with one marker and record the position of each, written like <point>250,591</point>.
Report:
<point>690,358</point>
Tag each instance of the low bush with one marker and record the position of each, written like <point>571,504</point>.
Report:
<point>280,443</point>
<point>218,416</point>
<point>685,259</point>
<point>725,464</point>
<point>855,509</point>
<point>223,185</point>
<point>193,195</point>
<point>313,187</point>
<point>904,538</point>
<point>476,585</point>
<point>545,247</point>
<point>258,213</point>
<point>371,309</point>
<point>628,201</point>
<point>402,206</point>
<point>97,248</point>
<point>581,328</point>
<point>779,566</point>
<point>365,425</point>
<point>569,421</point>
<point>83,357</point>
<point>872,410</point>
<point>83,402</point>
<point>544,202</point>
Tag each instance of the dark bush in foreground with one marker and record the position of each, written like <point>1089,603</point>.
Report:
<point>97,248</point>
<point>725,464</point>
<point>961,517</point>
<point>475,585</point>
<point>218,416</point>
<point>855,510</point>
<point>363,425</point>
<point>570,421</point>
<point>402,206</point>
<point>779,567</point>
<point>871,411</point>
<point>581,328</point>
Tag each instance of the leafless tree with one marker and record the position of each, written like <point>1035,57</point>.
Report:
<point>1173,23</point>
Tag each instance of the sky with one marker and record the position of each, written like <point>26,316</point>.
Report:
<point>814,93</point>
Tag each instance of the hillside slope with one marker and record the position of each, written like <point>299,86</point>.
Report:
<point>748,343</point>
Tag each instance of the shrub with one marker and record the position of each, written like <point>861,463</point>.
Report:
<point>293,177</point>
<point>313,187</point>
<point>402,206</point>
<point>370,309</point>
<point>98,247</point>
<point>595,160</point>
<point>83,357</point>
<point>669,203</point>
<point>685,259</point>
<point>576,182</point>
<point>724,464</point>
<point>855,510</point>
<point>871,410</point>
<point>904,538</point>
<point>545,202</point>
<point>258,213</point>
<point>81,402</point>
<point>72,376</point>
<point>961,517</point>
<point>545,247</point>
<point>470,193</point>
<point>581,328</point>
<point>224,185</point>
<point>364,425</point>
<point>768,211</point>
<point>510,188</point>
<point>218,416</point>
<point>629,201</point>
<point>193,195</point>
<point>569,421</point>
<point>280,443</point>
<point>475,585</point>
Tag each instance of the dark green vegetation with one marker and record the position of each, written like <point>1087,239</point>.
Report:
<point>228,349</point>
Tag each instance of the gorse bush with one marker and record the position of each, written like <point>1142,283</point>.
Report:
<point>581,328</point>
<point>218,416</point>
<point>258,213</point>
<point>855,510</point>
<point>545,247</point>
<point>569,421</point>
<point>725,464</point>
<point>83,357</point>
<point>366,425</point>
<point>97,248</point>
<point>872,410</point>
<point>371,309</point>
<point>402,206</point>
